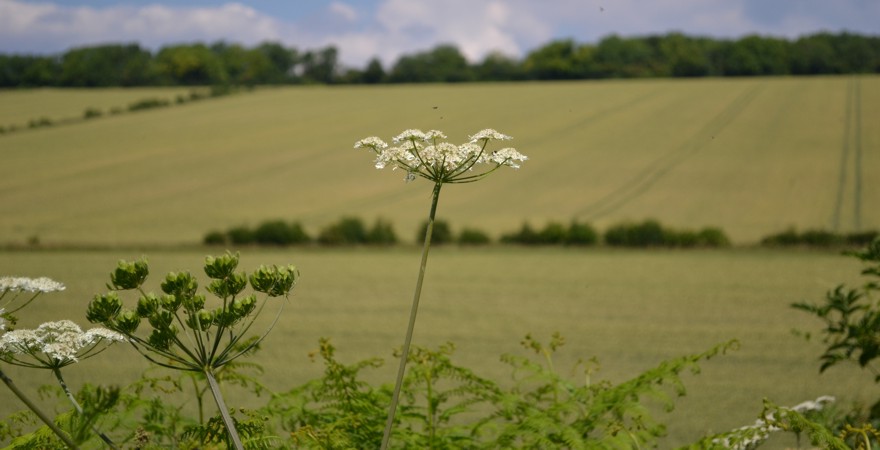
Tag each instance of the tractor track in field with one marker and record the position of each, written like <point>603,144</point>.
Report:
<point>655,171</point>
<point>851,145</point>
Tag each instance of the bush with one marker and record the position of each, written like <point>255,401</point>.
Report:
<point>442,233</point>
<point>215,238</point>
<point>92,113</point>
<point>148,103</point>
<point>646,234</point>
<point>552,233</point>
<point>713,237</point>
<point>241,235</point>
<point>651,234</point>
<point>472,236</point>
<point>581,234</point>
<point>382,233</point>
<point>819,238</point>
<point>348,231</point>
<point>39,123</point>
<point>278,232</point>
<point>526,235</point>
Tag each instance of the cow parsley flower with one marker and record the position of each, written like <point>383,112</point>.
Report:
<point>2,320</point>
<point>34,285</point>
<point>430,156</point>
<point>54,345</point>
<point>13,287</point>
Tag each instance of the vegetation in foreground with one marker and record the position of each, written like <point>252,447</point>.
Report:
<point>445,405</point>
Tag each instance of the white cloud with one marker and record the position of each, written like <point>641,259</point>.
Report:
<point>32,24</point>
<point>395,27</point>
<point>344,11</point>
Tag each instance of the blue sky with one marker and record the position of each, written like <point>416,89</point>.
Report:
<point>363,29</point>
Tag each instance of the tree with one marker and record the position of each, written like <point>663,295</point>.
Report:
<point>443,64</point>
<point>107,65</point>
<point>190,65</point>
<point>319,66</point>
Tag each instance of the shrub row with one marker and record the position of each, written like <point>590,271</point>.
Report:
<point>554,233</point>
<point>140,105</point>
<point>347,231</point>
<point>819,238</point>
<point>651,234</point>
<point>353,231</point>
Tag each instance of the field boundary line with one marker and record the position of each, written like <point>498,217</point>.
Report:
<point>655,171</point>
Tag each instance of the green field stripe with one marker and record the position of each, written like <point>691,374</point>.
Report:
<point>655,171</point>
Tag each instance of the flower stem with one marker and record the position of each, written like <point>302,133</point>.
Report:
<point>79,409</point>
<point>33,407</point>
<point>224,411</point>
<point>386,437</point>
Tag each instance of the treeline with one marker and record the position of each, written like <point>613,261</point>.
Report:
<point>669,55</point>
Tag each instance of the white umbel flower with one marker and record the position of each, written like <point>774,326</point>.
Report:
<point>428,155</point>
<point>54,344</point>
<point>23,284</point>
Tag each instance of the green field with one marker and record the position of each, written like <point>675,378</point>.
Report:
<point>631,309</point>
<point>753,156</point>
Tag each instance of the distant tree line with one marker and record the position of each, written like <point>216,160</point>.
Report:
<point>669,55</point>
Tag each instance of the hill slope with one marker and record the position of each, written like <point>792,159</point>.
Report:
<point>752,156</point>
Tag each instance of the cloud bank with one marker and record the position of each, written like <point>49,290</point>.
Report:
<point>389,28</point>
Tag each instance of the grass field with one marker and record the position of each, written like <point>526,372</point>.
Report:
<point>631,309</point>
<point>753,156</point>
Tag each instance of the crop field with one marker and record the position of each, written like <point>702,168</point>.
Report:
<point>630,309</point>
<point>752,156</point>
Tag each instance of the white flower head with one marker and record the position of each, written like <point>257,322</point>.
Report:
<point>434,134</point>
<point>2,320</point>
<point>489,134</point>
<point>23,284</point>
<point>54,344</point>
<point>371,142</point>
<point>410,135</point>
<point>507,157</point>
<point>430,156</point>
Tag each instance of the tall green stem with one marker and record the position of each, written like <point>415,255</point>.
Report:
<point>224,411</point>
<point>33,407</point>
<point>79,409</point>
<point>386,437</point>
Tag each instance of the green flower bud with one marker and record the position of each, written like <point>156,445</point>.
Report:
<point>161,319</point>
<point>148,305</point>
<point>201,320</point>
<point>103,308</point>
<point>170,302</point>
<point>129,275</point>
<point>230,286</point>
<point>127,321</point>
<point>194,303</point>
<point>221,267</point>
<point>224,317</point>
<point>275,281</point>
<point>162,339</point>
<point>182,285</point>
<point>243,306</point>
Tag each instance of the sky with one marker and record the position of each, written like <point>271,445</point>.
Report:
<point>387,29</point>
